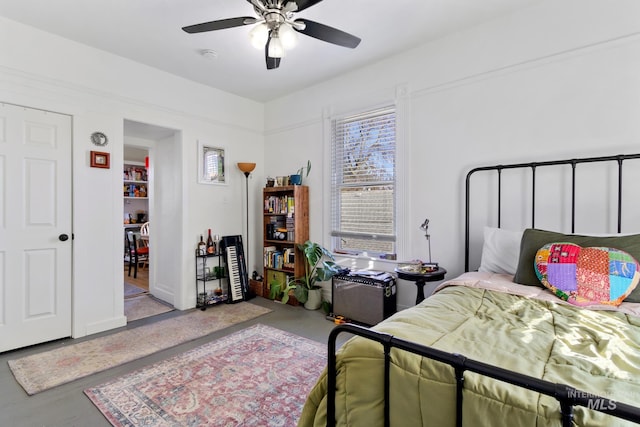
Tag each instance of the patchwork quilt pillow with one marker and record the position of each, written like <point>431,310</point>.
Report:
<point>533,239</point>
<point>586,276</point>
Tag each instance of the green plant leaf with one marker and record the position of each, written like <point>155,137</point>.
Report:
<point>316,267</point>
<point>274,291</point>
<point>301,293</point>
<point>328,270</point>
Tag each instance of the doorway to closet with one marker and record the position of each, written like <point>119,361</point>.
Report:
<point>149,165</point>
<point>136,216</point>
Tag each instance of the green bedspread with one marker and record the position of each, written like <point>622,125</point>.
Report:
<point>593,351</point>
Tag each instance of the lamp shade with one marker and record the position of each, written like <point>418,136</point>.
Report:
<point>246,167</point>
<point>259,36</point>
<point>275,49</point>
<point>288,36</point>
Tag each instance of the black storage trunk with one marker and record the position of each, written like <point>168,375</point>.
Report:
<point>364,298</point>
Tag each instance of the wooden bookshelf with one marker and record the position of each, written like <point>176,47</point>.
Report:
<point>285,224</point>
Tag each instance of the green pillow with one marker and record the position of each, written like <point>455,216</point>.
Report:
<point>533,239</point>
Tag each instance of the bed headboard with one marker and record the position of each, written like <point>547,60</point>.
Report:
<point>530,169</point>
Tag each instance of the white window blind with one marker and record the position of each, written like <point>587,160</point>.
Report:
<point>363,183</point>
<point>214,164</point>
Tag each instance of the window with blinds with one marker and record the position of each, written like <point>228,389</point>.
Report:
<point>213,159</point>
<point>363,183</point>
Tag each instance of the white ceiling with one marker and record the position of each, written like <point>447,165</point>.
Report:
<point>149,31</point>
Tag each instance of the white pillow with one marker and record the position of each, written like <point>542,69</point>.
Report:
<point>500,251</point>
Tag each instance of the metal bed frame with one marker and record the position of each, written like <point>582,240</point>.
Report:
<point>533,166</point>
<point>567,396</point>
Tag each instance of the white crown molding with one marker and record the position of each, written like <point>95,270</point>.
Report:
<point>527,64</point>
<point>96,96</point>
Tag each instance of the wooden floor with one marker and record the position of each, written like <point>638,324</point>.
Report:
<point>141,280</point>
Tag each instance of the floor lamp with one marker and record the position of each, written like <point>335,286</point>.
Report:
<point>247,168</point>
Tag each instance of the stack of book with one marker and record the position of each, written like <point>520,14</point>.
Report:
<point>271,256</point>
<point>279,204</point>
<point>291,227</point>
<point>289,258</point>
<point>274,258</point>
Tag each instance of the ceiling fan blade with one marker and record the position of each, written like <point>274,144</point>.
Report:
<point>220,24</point>
<point>304,4</point>
<point>328,34</point>
<point>272,63</point>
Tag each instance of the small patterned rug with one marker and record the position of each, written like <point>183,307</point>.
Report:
<point>259,376</point>
<point>42,371</point>
<point>143,306</point>
<point>132,290</point>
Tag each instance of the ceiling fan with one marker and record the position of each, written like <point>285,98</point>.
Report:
<point>276,28</point>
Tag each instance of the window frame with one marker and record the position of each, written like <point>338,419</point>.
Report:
<point>204,149</point>
<point>336,184</point>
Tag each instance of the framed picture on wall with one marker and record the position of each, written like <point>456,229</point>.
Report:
<point>211,164</point>
<point>99,160</point>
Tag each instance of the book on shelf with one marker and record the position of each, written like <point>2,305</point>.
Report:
<point>290,205</point>
<point>290,225</point>
<point>289,257</point>
<point>280,259</point>
<point>269,254</point>
<point>279,204</point>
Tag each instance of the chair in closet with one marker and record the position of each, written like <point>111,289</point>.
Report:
<point>135,253</point>
<point>144,230</point>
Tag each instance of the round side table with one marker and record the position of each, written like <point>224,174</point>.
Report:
<point>421,278</point>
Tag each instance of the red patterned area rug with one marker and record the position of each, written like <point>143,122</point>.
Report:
<point>259,376</point>
<point>42,371</point>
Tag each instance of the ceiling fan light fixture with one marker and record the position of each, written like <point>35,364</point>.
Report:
<point>288,36</point>
<point>259,35</point>
<point>276,50</point>
<point>276,28</point>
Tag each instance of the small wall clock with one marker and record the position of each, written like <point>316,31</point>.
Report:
<point>99,139</point>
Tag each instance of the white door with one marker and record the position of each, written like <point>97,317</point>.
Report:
<point>35,217</point>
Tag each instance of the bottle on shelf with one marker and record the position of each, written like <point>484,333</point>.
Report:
<point>211,246</point>
<point>202,247</point>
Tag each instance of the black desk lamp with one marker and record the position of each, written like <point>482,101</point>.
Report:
<point>425,227</point>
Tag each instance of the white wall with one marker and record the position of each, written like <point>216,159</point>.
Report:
<point>559,79</point>
<point>100,91</point>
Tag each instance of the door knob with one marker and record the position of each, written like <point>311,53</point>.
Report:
<point>63,237</point>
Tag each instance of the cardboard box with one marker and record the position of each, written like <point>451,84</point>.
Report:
<point>258,288</point>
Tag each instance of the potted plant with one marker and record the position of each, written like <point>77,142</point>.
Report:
<point>296,178</point>
<point>280,291</point>
<point>319,266</point>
